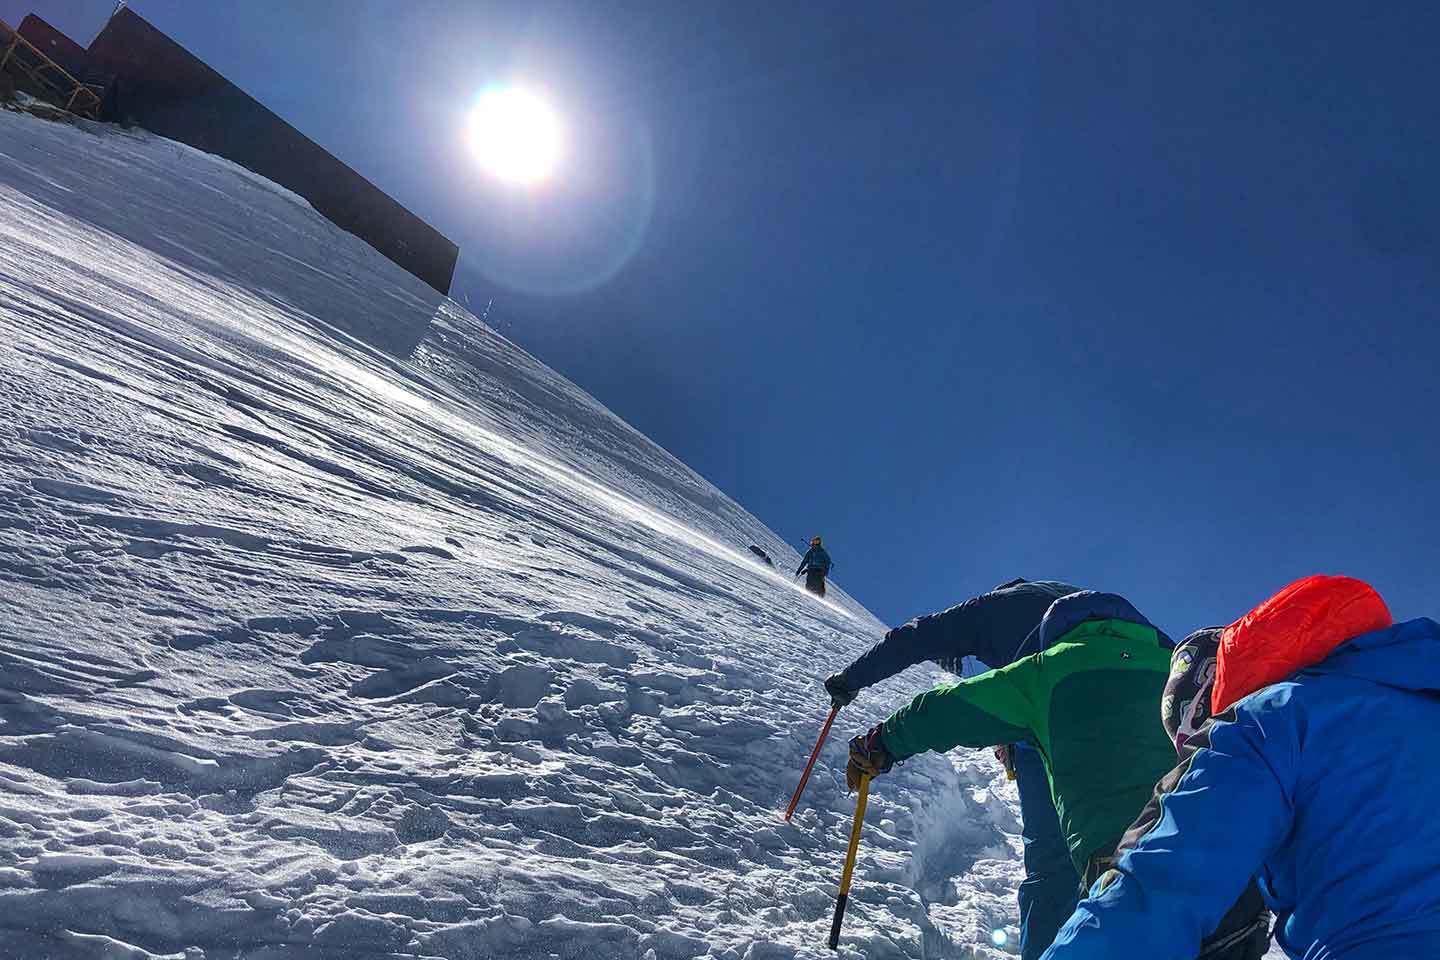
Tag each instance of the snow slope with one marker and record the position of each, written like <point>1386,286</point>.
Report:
<point>337,626</point>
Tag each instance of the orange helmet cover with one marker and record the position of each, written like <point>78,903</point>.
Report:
<point>1296,628</point>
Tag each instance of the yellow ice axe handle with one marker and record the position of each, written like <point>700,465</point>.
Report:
<point>849,863</point>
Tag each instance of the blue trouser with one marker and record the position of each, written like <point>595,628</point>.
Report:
<point>1048,893</point>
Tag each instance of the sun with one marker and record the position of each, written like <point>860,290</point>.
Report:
<point>515,134</point>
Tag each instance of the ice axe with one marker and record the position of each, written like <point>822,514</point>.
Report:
<point>849,870</point>
<point>805,777</point>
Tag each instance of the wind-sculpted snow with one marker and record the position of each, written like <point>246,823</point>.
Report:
<point>336,626</point>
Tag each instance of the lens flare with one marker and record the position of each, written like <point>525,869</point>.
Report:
<point>999,937</point>
<point>515,134</point>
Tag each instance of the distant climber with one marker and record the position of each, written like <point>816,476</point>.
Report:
<point>996,628</point>
<point>756,549</point>
<point>1313,775</point>
<point>1086,702</point>
<point>816,566</point>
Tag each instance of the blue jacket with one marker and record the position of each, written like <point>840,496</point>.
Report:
<point>815,559</point>
<point>1323,787</point>
<point>996,628</point>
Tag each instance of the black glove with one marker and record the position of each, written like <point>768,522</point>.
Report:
<point>840,695</point>
<point>868,758</point>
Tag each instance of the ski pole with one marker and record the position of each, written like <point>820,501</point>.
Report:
<point>849,870</point>
<point>805,777</point>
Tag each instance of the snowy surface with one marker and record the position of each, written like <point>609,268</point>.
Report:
<point>337,626</point>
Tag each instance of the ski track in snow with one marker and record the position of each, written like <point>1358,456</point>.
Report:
<point>337,626</point>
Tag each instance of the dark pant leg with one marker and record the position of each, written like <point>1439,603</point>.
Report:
<point>815,583</point>
<point>1048,893</point>
<point>1244,932</point>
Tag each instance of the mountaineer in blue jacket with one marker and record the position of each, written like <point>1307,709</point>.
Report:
<point>995,628</point>
<point>1313,777</point>
<point>816,566</point>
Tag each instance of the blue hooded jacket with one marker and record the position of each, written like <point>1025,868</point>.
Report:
<point>1321,786</point>
<point>815,559</point>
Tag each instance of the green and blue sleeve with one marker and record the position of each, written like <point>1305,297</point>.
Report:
<point>997,707</point>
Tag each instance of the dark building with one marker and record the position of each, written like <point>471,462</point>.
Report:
<point>42,62</point>
<point>55,45</point>
<point>158,84</point>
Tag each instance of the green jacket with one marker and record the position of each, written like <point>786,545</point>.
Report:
<point>1089,702</point>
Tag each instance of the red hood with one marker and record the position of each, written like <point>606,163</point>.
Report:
<point>1295,629</point>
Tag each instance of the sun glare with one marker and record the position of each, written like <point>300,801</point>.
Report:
<point>515,135</point>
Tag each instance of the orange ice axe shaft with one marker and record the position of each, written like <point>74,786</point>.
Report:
<point>814,754</point>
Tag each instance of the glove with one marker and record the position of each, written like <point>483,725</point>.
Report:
<point>868,758</point>
<point>840,695</point>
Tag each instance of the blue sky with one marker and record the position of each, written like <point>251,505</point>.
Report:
<point>1142,296</point>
